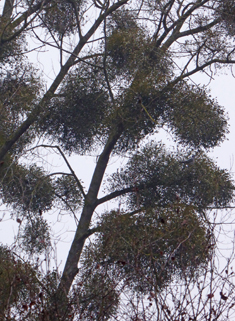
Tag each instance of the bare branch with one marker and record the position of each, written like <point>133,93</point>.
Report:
<point>67,163</point>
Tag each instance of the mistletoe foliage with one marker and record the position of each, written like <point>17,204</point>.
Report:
<point>76,115</point>
<point>157,178</point>
<point>146,250</point>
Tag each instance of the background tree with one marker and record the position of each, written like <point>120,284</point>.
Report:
<point>118,84</point>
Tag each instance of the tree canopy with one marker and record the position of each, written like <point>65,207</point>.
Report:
<point>124,74</point>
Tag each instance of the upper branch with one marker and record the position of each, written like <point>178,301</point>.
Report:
<point>176,26</point>
<point>12,25</point>
<point>201,68</point>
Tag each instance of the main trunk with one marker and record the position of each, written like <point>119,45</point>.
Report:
<point>71,269</point>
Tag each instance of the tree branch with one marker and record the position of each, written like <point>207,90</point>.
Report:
<point>67,163</point>
<point>200,68</point>
<point>67,204</point>
<point>176,26</point>
<point>24,16</point>
<point>8,9</point>
<point>114,195</point>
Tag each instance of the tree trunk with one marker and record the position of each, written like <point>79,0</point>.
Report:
<point>71,269</point>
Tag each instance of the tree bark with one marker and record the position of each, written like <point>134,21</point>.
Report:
<point>71,269</point>
<point>8,9</point>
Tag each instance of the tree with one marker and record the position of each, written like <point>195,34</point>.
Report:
<point>120,84</point>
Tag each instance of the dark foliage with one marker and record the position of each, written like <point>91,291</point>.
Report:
<point>19,285</point>
<point>68,193</point>
<point>147,250</point>
<point>76,115</point>
<point>35,236</point>
<point>27,189</point>
<point>194,117</point>
<point>20,90</point>
<point>97,292</point>
<point>226,12</point>
<point>156,178</point>
<point>60,16</point>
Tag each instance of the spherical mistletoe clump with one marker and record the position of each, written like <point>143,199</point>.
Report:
<point>77,113</point>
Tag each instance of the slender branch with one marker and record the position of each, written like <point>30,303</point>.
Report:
<point>200,68</point>
<point>219,207</point>
<point>124,191</point>
<point>92,231</point>
<point>198,29</point>
<point>104,65</point>
<point>167,7</point>
<point>19,31</point>
<point>57,46</point>
<point>77,19</point>
<point>67,163</point>
<point>60,173</point>
<point>135,212</point>
<point>140,187</point>
<point>155,36</point>
<point>67,204</point>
